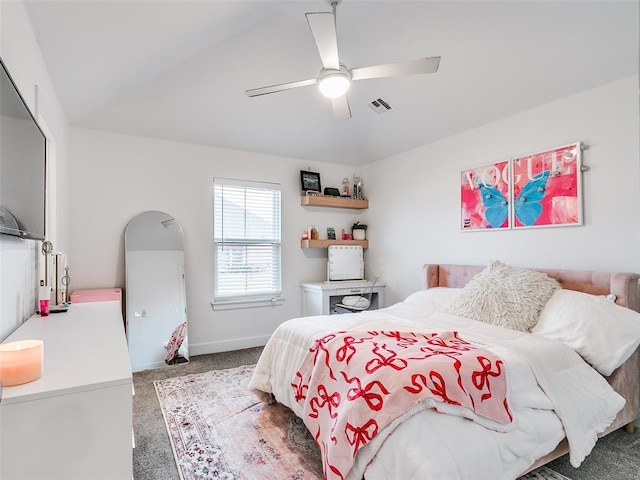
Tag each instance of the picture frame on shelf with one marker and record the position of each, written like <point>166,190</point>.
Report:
<point>310,181</point>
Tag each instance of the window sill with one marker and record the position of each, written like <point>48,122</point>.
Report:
<point>246,303</point>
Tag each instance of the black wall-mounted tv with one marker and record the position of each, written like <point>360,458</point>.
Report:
<point>23,149</point>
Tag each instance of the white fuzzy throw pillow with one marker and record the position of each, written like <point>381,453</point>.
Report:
<point>506,296</point>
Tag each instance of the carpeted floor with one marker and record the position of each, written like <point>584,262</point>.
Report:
<point>616,456</point>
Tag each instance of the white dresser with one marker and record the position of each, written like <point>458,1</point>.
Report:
<point>75,421</point>
<point>320,298</point>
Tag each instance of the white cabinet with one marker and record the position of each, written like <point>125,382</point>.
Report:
<point>75,421</point>
<point>320,298</point>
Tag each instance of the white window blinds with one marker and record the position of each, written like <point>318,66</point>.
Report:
<point>246,233</point>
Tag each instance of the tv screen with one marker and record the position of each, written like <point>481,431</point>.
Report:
<point>22,165</point>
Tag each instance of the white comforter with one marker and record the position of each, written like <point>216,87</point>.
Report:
<point>553,393</point>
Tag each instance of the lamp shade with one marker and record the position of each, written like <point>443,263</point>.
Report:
<point>21,362</point>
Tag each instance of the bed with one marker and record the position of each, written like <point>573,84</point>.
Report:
<point>423,443</point>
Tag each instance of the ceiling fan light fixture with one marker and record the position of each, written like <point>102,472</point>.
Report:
<point>335,78</point>
<point>334,84</point>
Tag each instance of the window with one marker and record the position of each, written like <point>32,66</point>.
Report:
<point>247,250</point>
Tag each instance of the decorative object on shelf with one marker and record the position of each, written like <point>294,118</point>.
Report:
<point>312,233</point>
<point>357,188</point>
<point>346,236</point>
<point>310,181</point>
<point>345,187</point>
<point>56,282</point>
<point>66,281</point>
<point>47,250</point>
<point>331,192</point>
<point>61,279</point>
<point>539,190</point>
<point>331,233</point>
<point>359,231</point>
<point>21,362</point>
<point>43,300</point>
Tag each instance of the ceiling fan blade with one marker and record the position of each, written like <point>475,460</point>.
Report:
<point>278,88</point>
<point>411,67</point>
<point>341,108</point>
<point>323,29</point>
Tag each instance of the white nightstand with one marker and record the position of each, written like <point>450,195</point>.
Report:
<point>320,298</point>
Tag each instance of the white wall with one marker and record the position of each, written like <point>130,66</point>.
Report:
<point>115,177</point>
<point>414,215</point>
<point>20,259</point>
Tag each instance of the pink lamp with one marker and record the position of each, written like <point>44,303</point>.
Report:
<point>20,362</point>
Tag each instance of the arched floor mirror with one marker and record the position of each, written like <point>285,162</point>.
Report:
<point>156,303</point>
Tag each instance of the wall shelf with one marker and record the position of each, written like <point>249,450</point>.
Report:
<point>327,243</point>
<point>328,201</point>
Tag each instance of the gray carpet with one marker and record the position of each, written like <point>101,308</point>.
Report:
<point>616,456</point>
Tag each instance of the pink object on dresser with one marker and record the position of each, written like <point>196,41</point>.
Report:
<point>97,295</point>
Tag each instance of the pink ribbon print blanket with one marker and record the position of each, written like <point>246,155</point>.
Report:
<point>353,384</point>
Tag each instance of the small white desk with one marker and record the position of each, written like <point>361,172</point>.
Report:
<point>75,421</point>
<point>320,298</point>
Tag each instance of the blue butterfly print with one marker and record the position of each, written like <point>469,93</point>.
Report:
<point>527,204</point>
<point>495,203</point>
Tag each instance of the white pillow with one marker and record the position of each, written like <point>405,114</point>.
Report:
<point>603,333</point>
<point>437,298</point>
<point>505,296</point>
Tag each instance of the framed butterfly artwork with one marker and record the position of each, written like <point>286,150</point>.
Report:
<point>484,195</point>
<point>539,190</point>
<point>547,188</point>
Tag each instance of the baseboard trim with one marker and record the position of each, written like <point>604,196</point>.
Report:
<point>147,366</point>
<point>228,345</point>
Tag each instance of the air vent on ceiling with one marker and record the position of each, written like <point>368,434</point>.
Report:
<point>380,106</point>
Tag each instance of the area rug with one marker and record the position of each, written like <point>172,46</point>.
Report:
<point>219,430</point>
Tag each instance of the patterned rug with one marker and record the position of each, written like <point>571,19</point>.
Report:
<point>219,430</point>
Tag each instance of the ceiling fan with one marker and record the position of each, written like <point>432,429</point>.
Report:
<point>335,78</point>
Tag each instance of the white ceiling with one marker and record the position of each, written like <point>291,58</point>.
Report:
<point>178,69</point>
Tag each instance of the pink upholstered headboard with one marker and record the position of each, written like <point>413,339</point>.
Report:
<point>626,379</point>
<point>623,285</point>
